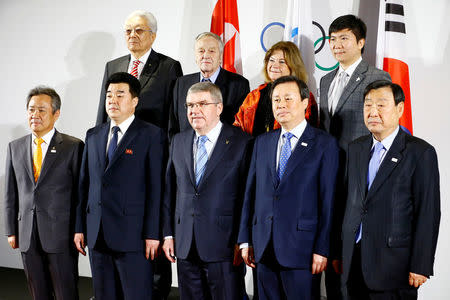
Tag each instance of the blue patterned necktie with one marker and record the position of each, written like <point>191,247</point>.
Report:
<point>374,164</point>
<point>201,158</point>
<point>113,142</point>
<point>284,154</point>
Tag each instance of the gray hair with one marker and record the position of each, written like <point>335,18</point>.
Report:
<point>151,20</point>
<point>213,90</point>
<point>45,90</point>
<point>214,36</point>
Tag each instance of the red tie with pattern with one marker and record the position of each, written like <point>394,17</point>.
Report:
<point>134,71</point>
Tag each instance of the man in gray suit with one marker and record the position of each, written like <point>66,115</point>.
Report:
<point>41,175</point>
<point>156,72</point>
<point>341,113</point>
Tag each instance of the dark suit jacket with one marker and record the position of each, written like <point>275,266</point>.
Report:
<point>400,214</point>
<point>157,81</point>
<point>211,211</point>
<point>234,88</point>
<point>347,123</point>
<point>125,195</point>
<point>296,212</point>
<point>52,198</point>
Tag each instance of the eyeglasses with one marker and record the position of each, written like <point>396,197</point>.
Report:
<point>200,105</point>
<point>138,31</point>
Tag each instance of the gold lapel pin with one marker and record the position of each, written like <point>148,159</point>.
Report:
<point>227,142</point>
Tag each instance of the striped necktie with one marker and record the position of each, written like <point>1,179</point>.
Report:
<point>201,158</point>
<point>134,70</point>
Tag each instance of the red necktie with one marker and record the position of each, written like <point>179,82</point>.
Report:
<point>134,71</point>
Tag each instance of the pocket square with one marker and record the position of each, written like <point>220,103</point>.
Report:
<point>128,151</point>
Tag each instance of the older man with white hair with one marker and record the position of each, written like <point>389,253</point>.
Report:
<point>156,72</point>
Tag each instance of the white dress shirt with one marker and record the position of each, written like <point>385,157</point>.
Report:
<point>123,127</point>
<point>44,146</point>
<point>143,61</point>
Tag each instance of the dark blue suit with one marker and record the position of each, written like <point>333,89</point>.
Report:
<point>204,219</point>
<point>288,221</point>
<point>119,207</point>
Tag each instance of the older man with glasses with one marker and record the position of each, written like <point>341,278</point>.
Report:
<point>156,72</point>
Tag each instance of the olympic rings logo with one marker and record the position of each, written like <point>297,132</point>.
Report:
<point>320,40</point>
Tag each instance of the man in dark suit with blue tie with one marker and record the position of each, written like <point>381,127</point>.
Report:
<point>120,194</point>
<point>205,183</point>
<point>286,217</point>
<point>392,216</point>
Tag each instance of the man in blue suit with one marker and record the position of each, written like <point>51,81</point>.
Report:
<point>286,217</point>
<point>205,184</point>
<point>120,195</point>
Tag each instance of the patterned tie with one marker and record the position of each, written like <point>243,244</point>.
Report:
<point>201,158</point>
<point>374,164</point>
<point>113,142</point>
<point>206,80</point>
<point>284,154</point>
<point>336,93</point>
<point>37,158</point>
<point>134,70</point>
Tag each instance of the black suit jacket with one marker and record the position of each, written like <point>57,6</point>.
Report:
<point>157,81</point>
<point>52,198</point>
<point>125,194</point>
<point>400,213</point>
<point>208,213</point>
<point>234,88</point>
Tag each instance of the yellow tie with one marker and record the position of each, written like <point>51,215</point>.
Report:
<point>37,158</point>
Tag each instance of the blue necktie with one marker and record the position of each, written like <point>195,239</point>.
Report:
<point>284,154</point>
<point>201,158</point>
<point>374,164</point>
<point>113,142</point>
<point>206,80</point>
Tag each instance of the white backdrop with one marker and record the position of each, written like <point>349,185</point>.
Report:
<point>65,44</point>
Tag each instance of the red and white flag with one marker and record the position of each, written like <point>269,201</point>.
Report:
<point>225,23</point>
<point>391,51</point>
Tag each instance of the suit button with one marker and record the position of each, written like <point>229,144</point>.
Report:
<point>192,215</point>
<point>275,198</point>
<point>270,218</point>
<point>99,202</point>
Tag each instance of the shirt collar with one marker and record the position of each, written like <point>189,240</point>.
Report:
<point>387,142</point>
<point>213,134</point>
<point>351,68</point>
<point>47,137</point>
<point>297,131</point>
<point>143,58</point>
<point>213,77</point>
<point>123,126</point>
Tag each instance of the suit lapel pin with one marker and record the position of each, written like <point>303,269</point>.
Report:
<point>227,142</point>
<point>358,79</point>
<point>53,150</point>
<point>128,151</point>
<point>304,144</point>
<point>394,159</point>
